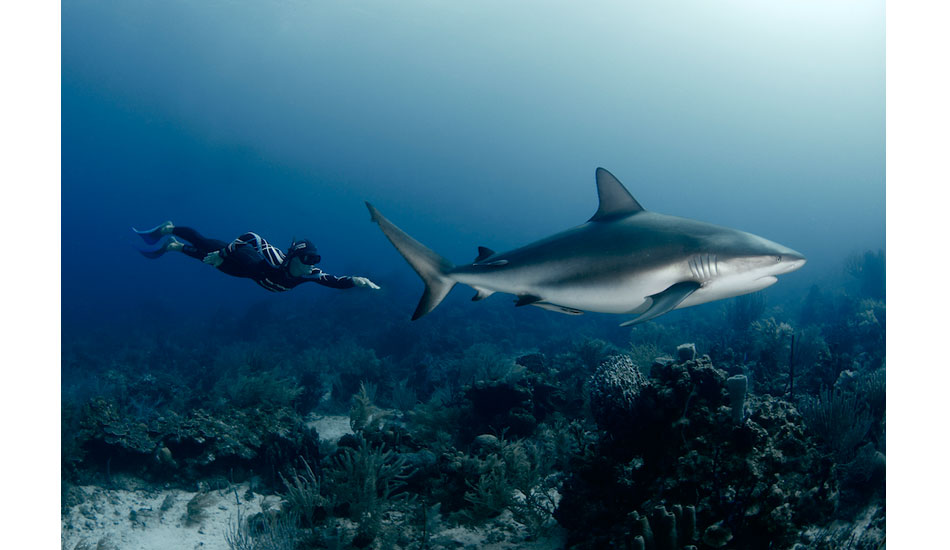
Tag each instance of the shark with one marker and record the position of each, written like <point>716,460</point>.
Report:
<point>623,260</point>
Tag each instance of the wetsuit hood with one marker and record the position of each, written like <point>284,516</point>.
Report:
<point>303,249</point>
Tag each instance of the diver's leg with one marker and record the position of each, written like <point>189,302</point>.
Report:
<point>200,246</point>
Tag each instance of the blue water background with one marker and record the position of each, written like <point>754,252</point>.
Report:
<point>466,123</point>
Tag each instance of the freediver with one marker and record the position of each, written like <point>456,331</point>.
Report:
<point>251,257</point>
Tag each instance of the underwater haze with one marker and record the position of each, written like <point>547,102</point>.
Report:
<point>201,408</point>
<point>467,123</point>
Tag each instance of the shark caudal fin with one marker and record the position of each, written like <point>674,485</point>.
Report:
<point>430,266</point>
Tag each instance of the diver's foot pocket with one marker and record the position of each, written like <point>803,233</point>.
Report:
<point>153,235</point>
<point>171,244</point>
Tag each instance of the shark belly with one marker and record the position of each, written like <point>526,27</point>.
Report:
<point>727,288</point>
<point>610,291</point>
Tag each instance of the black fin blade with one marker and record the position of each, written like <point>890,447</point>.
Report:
<point>665,301</point>
<point>526,300</point>
<point>483,253</point>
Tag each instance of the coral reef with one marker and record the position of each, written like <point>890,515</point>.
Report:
<point>752,481</point>
<point>766,430</point>
<point>188,447</point>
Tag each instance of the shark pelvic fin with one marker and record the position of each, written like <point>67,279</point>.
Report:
<point>483,253</point>
<point>663,302</point>
<point>615,200</point>
<point>527,299</point>
<point>481,293</point>
<point>430,266</point>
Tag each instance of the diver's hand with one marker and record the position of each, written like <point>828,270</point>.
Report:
<point>363,282</point>
<point>213,258</point>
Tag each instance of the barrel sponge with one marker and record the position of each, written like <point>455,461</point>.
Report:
<point>686,352</point>
<point>614,390</point>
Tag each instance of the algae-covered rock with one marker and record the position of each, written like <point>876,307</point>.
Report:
<point>188,445</point>
<point>717,535</point>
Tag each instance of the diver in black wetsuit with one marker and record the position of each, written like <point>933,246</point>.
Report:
<point>250,256</point>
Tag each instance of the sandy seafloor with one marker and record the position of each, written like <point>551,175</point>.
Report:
<point>142,517</point>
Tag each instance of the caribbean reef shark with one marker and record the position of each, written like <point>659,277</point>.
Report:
<point>624,260</point>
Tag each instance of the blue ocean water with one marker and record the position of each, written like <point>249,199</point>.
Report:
<point>759,420</point>
<point>465,123</point>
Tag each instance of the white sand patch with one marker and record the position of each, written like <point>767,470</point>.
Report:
<point>501,533</point>
<point>150,519</point>
<point>330,427</point>
<point>147,519</point>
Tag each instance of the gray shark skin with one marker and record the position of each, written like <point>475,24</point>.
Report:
<point>624,260</point>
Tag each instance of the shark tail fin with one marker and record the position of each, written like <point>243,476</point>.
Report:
<point>432,267</point>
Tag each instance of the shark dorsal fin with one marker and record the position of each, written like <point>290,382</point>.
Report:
<point>615,200</point>
<point>484,253</point>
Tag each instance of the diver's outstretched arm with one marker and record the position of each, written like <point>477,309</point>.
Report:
<point>325,279</point>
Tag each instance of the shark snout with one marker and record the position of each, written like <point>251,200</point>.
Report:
<point>790,261</point>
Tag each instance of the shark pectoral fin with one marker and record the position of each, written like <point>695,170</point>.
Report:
<point>665,301</point>
<point>481,293</point>
<point>526,300</point>
<point>483,253</point>
<point>557,308</point>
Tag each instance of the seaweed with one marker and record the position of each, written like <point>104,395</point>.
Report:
<point>840,419</point>
<point>364,482</point>
<point>869,270</point>
<point>264,531</point>
<point>364,415</point>
<point>195,509</point>
<point>742,311</point>
<point>303,495</point>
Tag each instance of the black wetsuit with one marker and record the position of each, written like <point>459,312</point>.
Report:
<point>252,257</point>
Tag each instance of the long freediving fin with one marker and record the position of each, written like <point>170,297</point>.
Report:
<point>161,250</point>
<point>155,234</point>
<point>663,302</point>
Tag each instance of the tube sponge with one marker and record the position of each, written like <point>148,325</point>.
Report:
<point>737,386</point>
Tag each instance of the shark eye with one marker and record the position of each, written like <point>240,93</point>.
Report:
<point>778,259</point>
